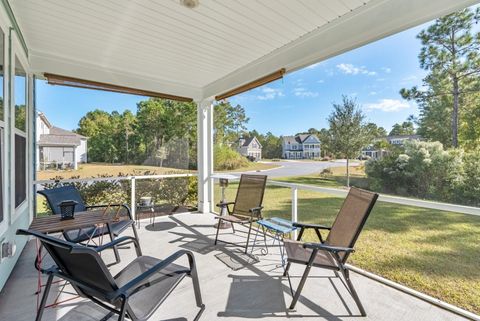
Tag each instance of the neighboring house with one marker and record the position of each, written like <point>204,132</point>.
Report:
<point>58,148</point>
<point>305,146</point>
<point>396,140</point>
<point>399,140</point>
<point>250,147</point>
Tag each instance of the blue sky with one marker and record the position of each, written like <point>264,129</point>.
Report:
<point>373,74</point>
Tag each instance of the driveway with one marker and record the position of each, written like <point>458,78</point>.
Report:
<point>297,168</point>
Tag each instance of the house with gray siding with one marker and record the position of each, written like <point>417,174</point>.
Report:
<point>304,146</point>
<point>250,147</point>
<point>58,148</point>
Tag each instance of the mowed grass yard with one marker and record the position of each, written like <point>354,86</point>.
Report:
<point>98,169</point>
<point>432,251</point>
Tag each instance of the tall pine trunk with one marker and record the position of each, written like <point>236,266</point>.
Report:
<point>455,113</point>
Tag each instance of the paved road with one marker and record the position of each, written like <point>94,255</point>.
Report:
<point>297,168</point>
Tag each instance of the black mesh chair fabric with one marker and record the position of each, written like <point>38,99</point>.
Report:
<point>87,273</point>
<point>55,196</point>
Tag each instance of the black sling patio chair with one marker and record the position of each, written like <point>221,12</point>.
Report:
<point>247,207</point>
<point>135,292</point>
<point>56,196</point>
<point>332,253</point>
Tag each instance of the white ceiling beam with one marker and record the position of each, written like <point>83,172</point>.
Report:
<point>376,20</point>
<point>49,63</point>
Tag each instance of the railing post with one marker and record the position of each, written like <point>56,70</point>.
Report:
<point>294,208</point>
<point>133,202</point>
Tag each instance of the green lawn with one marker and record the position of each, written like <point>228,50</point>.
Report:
<point>432,251</point>
<point>98,169</point>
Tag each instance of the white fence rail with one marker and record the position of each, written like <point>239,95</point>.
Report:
<point>342,192</point>
<point>383,198</point>
<point>133,183</point>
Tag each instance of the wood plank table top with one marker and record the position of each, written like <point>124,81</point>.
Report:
<point>54,224</point>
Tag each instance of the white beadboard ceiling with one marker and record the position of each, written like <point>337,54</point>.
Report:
<point>162,46</point>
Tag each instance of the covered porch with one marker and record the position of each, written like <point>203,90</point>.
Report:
<point>256,291</point>
<point>201,55</point>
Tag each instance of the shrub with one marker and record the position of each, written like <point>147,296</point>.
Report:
<point>426,170</point>
<point>226,158</point>
<point>326,172</point>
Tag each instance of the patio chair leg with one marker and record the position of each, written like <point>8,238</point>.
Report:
<point>354,294</point>
<point>285,273</point>
<point>248,237</point>
<point>300,287</point>
<point>123,309</point>
<point>135,234</point>
<point>44,298</point>
<point>233,228</point>
<point>115,249</point>
<point>218,230</point>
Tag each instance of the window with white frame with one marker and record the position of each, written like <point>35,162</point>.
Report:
<point>20,141</point>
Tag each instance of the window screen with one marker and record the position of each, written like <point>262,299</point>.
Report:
<point>20,170</point>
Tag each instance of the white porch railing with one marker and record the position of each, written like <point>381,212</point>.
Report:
<point>133,183</point>
<point>383,198</point>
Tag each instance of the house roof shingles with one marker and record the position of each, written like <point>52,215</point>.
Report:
<point>60,137</point>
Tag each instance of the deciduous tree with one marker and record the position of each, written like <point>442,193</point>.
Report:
<point>348,130</point>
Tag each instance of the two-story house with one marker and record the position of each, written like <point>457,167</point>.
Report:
<point>58,148</point>
<point>372,152</point>
<point>250,147</point>
<point>304,146</point>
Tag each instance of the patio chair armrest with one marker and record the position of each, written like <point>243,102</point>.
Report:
<point>136,284</point>
<point>329,248</point>
<point>118,242</point>
<point>308,225</point>
<point>125,206</point>
<point>226,204</point>
<point>257,211</point>
<point>221,204</point>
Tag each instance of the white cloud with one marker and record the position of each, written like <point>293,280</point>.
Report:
<point>269,93</point>
<point>350,69</point>
<point>388,105</point>
<point>372,93</point>
<point>320,81</point>
<point>387,70</point>
<point>302,92</point>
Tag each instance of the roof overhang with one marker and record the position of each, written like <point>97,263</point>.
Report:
<point>227,56</point>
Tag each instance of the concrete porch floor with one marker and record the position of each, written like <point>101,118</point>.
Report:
<point>255,291</point>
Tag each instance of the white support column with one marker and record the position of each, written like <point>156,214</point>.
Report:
<point>294,209</point>
<point>133,201</point>
<point>205,155</point>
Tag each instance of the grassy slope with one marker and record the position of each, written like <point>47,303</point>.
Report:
<point>432,251</point>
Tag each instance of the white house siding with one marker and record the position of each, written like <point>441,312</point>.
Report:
<point>250,148</point>
<point>301,147</point>
<point>81,152</point>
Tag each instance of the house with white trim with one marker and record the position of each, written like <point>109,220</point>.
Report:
<point>303,146</point>
<point>58,148</point>
<point>250,147</point>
